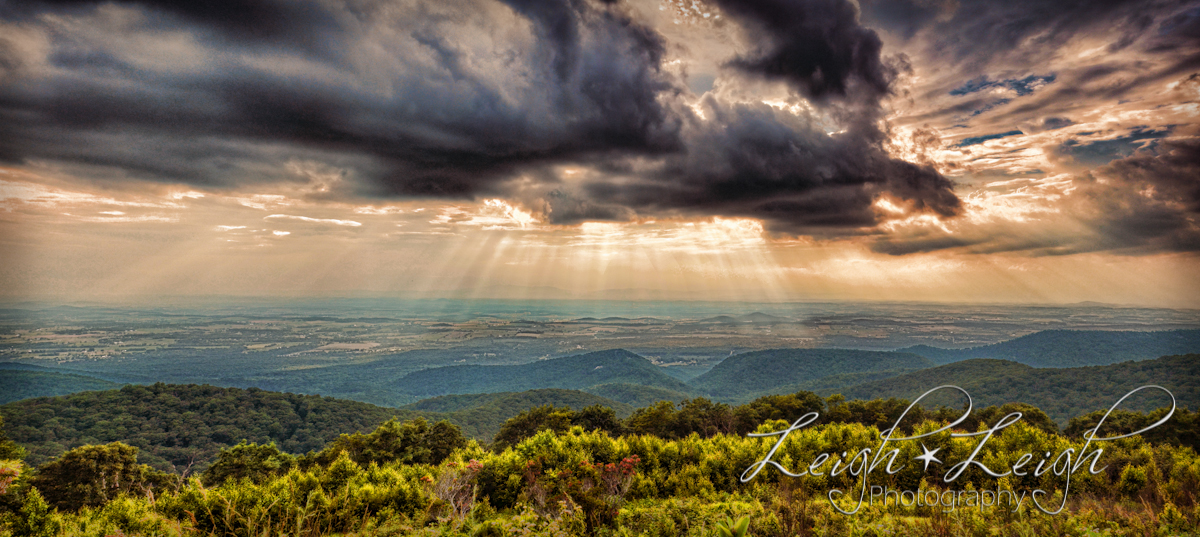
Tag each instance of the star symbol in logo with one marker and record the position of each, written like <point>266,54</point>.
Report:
<point>927,456</point>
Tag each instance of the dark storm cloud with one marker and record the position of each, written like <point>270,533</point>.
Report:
<point>972,30</point>
<point>447,131</point>
<point>1151,199</point>
<point>564,208</point>
<point>761,162</point>
<point>758,161</point>
<point>455,110</point>
<point>243,20</point>
<point>816,45</point>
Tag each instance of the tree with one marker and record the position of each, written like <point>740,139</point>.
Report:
<point>411,442</point>
<point>701,416</point>
<point>34,518</point>
<point>599,417</point>
<point>788,408</point>
<point>530,422</point>
<point>249,460</point>
<point>1183,429</point>
<point>657,420</point>
<point>90,476</point>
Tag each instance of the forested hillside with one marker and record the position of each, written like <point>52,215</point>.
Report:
<point>758,372</point>
<point>1061,393</point>
<point>525,399</point>
<point>635,394</point>
<point>177,425</point>
<point>17,384</point>
<point>572,372</point>
<point>1074,348</point>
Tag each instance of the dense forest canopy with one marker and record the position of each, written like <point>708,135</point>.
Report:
<point>555,471</point>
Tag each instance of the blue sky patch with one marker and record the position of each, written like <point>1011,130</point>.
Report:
<point>1105,151</point>
<point>976,140</point>
<point>1022,86</point>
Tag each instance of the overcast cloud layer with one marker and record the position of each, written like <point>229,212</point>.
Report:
<point>1025,126</point>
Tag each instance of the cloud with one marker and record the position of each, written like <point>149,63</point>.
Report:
<point>457,104</point>
<point>266,21</point>
<point>1148,201</point>
<point>333,221</point>
<point>762,162</point>
<point>816,45</point>
<point>467,99</point>
<point>1145,203</point>
<point>1106,150</point>
<point>1021,87</point>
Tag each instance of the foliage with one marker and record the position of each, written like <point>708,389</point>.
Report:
<point>248,461</point>
<point>1183,429</point>
<point>546,417</point>
<point>579,482</point>
<point>706,418</point>
<point>481,415</point>
<point>411,442</point>
<point>34,519</point>
<point>699,416</point>
<point>89,476</point>
<point>732,528</point>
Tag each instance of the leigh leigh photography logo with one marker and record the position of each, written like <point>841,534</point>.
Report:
<point>1052,469</point>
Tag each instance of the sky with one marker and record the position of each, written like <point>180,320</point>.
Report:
<point>1024,151</point>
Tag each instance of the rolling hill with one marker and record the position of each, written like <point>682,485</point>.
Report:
<point>17,384</point>
<point>174,425</point>
<point>1073,348</point>
<point>572,372</point>
<point>741,376</point>
<point>177,424</point>
<point>530,398</point>
<point>1062,393</point>
<point>636,395</point>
